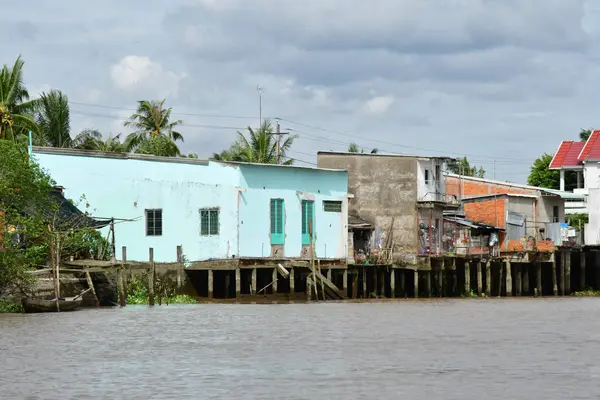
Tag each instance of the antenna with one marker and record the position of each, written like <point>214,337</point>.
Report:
<point>259,90</point>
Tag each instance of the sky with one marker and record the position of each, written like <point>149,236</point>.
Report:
<point>500,82</point>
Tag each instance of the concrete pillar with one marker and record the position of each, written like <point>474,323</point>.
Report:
<point>578,173</point>
<point>292,282</point>
<point>562,179</point>
<point>563,258</point>
<point>554,283</point>
<point>227,284</point>
<point>582,270</point>
<point>519,279</point>
<point>309,287</point>
<point>479,279</point>
<point>429,283</point>
<point>403,282</point>
<point>525,271</point>
<point>454,278</point>
<point>364,272</point>
<point>382,283</point>
<point>238,283</point>
<point>253,283</point>
<point>274,280</point>
<point>416,279</point>
<point>210,283</point>
<point>441,280</point>
<point>467,277</point>
<point>392,283</point>
<point>329,274</point>
<point>567,288</point>
<point>538,276</point>
<point>508,279</point>
<point>375,280</point>
<point>345,282</point>
<point>488,278</point>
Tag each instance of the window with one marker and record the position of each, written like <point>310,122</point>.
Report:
<point>426,176</point>
<point>438,173</point>
<point>555,213</point>
<point>277,221</point>
<point>308,215</point>
<point>209,221</point>
<point>332,206</point>
<point>154,222</point>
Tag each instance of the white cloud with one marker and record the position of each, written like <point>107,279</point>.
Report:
<point>133,73</point>
<point>378,105</point>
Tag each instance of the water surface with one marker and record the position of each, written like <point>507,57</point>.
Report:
<point>452,349</point>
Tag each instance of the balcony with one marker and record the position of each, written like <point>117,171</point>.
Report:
<point>431,199</point>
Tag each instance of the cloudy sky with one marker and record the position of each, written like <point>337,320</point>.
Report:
<point>500,81</point>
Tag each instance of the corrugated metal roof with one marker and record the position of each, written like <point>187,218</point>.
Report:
<point>591,150</point>
<point>565,195</point>
<point>567,155</point>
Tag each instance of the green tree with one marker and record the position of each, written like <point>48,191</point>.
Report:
<point>158,145</point>
<point>354,148</point>
<point>462,166</point>
<point>52,118</point>
<point>150,120</point>
<point>91,139</point>
<point>16,109</point>
<point>584,134</point>
<point>225,155</point>
<point>542,176</point>
<point>260,146</point>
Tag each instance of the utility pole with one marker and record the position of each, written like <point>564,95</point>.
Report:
<point>279,133</point>
<point>260,92</point>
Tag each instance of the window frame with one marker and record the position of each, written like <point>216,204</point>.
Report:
<point>277,238</point>
<point>154,229</point>
<point>304,224</point>
<point>211,211</point>
<point>333,202</point>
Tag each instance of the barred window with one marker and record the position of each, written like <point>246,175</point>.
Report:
<point>209,221</point>
<point>154,222</point>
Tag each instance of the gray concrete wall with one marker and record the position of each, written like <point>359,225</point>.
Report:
<point>383,187</point>
<point>546,209</point>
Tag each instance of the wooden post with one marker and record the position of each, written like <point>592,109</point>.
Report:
<point>210,283</point>
<point>253,283</point>
<point>454,278</point>
<point>392,283</point>
<point>416,281</point>
<point>554,281</point>
<point>88,278</point>
<point>508,279</point>
<point>121,279</point>
<point>488,278</point>
<point>441,279</point>
<point>467,277</point>
<point>345,282</point>
<point>479,279</point>
<point>309,287</point>
<point>364,272</point>
<point>375,286</point>
<point>355,285</point>
<point>561,286</point>
<point>292,283</point>
<point>582,270</point>
<point>329,274</point>
<point>227,284</point>
<point>180,267</point>
<point>382,283</point>
<point>525,269</point>
<point>500,279</point>
<point>238,283</point>
<point>567,288</point>
<point>151,278</point>
<point>428,283</point>
<point>275,278</point>
<point>539,276</point>
<point>518,277</point>
<point>403,283</point>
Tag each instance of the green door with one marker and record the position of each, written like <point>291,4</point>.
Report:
<point>308,214</point>
<point>277,222</point>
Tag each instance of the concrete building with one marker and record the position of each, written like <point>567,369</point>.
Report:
<point>583,160</point>
<point>401,197</point>
<point>214,210</point>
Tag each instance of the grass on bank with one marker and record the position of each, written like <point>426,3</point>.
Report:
<point>137,293</point>
<point>10,307</point>
<point>587,293</point>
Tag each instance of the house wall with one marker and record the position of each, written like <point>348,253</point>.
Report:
<point>592,228</point>
<point>383,187</point>
<point>591,175</point>
<point>125,188</point>
<point>487,211</point>
<point>261,184</point>
<point>475,187</point>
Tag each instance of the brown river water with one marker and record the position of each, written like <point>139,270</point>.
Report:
<point>453,349</point>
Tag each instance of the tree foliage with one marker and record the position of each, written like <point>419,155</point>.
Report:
<point>462,166</point>
<point>151,119</point>
<point>540,174</point>
<point>16,109</point>
<point>584,134</point>
<point>91,139</point>
<point>158,145</point>
<point>52,118</point>
<point>354,148</point>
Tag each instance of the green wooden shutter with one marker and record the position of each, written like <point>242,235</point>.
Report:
<point>277,222</point>
<point>308,214</point>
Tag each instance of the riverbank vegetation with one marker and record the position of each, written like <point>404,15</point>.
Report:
<point>587,293</point>
<point>137,289</point>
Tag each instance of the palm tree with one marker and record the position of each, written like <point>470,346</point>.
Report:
<point>16,110</point>
<point>260,146</point>
<point>225,155</point>
<point>91,139</point>
<point>53,120</point>
<point>158,145</point>
<point>584,134</point>
<point>353,148</point>
<point>150,120</point>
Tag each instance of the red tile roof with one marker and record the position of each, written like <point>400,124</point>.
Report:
<point>567,154</point>
<point>591,150</point>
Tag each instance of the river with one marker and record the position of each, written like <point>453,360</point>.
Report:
<point>451,349</point>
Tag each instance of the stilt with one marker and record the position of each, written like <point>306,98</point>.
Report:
<point>392,283</point>
<point>454,278</point>
<point>538,277</point>
<point>238,283</point>
<point>253,283</point>
<point>90,283</point>
<point>525,271</point>
<point>121,279</point>
<point>355,285</point>
<point>563,263</point>
<point>364,272</point>
<point>329,274</point>
<point>309,287</point>
<point>488,278</point>
<point>500,280</point>
<point>180,267</point>
<point>345,282</point>
<point>508,279</point>
<point>518,277</point>
<point>467,278</point>
<point>582,270</point>
<point>567,288</point>
<point>479,279</point>
<point>151,278</point>
<point>382,283</point>
<point>441,279</point>
<point>554,282</point>
<point>292,283</point>
<point>210,283</point>
<point>428,283</point>
<point>416,279</point>
<point>403,283</point>
<point>227,284</point>
<point>375,286</point>
<point>275,279</point>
